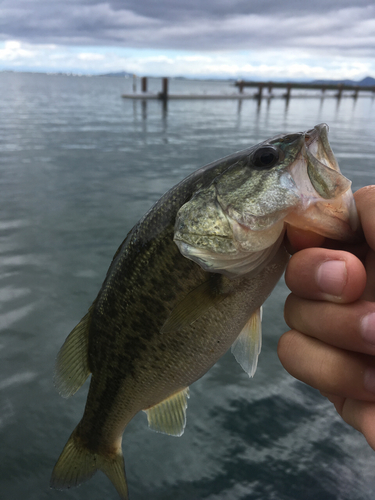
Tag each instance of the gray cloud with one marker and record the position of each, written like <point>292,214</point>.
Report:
<point>337,26</point>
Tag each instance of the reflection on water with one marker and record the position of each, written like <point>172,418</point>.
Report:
<point>262,101</point>
<point>79,167</point>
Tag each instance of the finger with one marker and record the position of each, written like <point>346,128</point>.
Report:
<point>369,292</point>
<point>347,326</point>
<point>323,274</point>
<point>365,201</point>
<point>327,368</point>
<point>298,239</point>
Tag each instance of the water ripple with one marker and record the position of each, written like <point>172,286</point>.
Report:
<point>14,315</point>
<point>12,224</point>
<point>6,412</point>
<point>18,378</point>
<point>9,293</point>
<point>20,260</point>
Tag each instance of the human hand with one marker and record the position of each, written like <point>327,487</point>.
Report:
<point>331,313</point>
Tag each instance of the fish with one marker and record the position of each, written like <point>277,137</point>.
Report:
<point>186,285</point>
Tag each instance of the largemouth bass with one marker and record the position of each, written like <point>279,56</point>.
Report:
<point>187,284</point>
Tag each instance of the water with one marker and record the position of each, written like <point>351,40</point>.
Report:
<point>79,166</point>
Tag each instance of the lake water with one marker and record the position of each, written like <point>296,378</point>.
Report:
<point>79,166</point>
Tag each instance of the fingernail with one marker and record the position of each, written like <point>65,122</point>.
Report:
<point>369,380</point>
<point>331,277</point>
<point>367,328</point>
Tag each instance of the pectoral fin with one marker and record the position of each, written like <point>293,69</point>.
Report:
<point>169,416</point>
<point>193,305</point>
<point>246,347</point>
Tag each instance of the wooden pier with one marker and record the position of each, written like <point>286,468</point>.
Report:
<point>164,95</point>
<point>288,86</point>
<point>261,93</point>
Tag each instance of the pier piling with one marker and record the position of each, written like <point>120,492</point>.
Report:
<point>288,90</point>
<point>164,90</point>
<point>144,83</point>
<point>260,91</point>
<point>339,90</point>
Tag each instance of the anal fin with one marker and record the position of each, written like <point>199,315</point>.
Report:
<point>246,348</point>
<point>169,416</point>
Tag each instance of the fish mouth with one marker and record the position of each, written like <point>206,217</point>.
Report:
<point>327,205</point>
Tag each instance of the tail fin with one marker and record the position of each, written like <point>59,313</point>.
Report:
<point>77,464</point>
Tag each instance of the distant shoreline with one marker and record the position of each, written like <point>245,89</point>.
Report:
<point>366,81</point>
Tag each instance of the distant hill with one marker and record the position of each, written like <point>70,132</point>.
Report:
<point>366,82</point>
<point>369,81</point>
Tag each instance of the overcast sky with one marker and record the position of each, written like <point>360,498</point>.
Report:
<point>279,39</point>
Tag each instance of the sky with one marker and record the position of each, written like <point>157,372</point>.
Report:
<point>251,39</point>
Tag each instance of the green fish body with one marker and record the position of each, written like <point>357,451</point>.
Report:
<point>187,284</point>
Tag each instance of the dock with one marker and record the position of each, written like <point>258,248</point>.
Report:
<point>288,86</point>
<point>164,95</point>
<point>148,95</point>
<point>264,90</point>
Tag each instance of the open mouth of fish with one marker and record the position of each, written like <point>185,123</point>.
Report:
<point>237,223</point>
<point>327,204</point>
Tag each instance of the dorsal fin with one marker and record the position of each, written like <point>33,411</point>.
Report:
<point>72,365</point>
<point>246,348</point>
<point>169,416</point>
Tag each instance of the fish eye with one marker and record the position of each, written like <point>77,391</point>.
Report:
<point>265,157</point>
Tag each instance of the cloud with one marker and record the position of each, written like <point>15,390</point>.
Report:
<point>209,25</point>
<point>89,56</point>
<point>233,64</point>
<point>232,37</point>
<point>13,50</point>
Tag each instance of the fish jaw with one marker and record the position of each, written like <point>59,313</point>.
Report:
<point>327,205</point>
